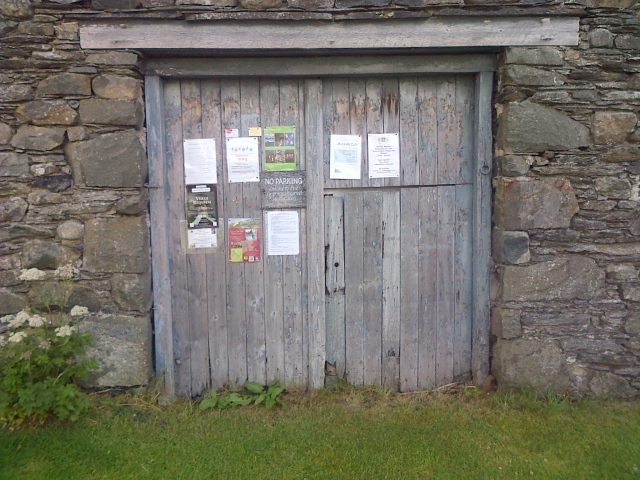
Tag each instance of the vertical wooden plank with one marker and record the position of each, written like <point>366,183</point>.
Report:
<point>315,231</point>
<point>354,285</point>
<point>391,116</point>
<point>447,131</point>
<point>341,120</point>
<point>391,290</point>
<point>482,226</point>
<point>358,124</point>
<point>464,115</point>
<point>409,121</point>
<point>372,287</point>
<point>196,264</point>
<point>409,288</point>
<point>428,281</point>
<point>428,130</point>
<point>374,122</point>
<point>233,201</point>
<point>177,258</point>
<point>445,275</point>
<point>328,114</point>
<point>253,272</point>
<point>334,281</point>
<point>463,284</point>
<point>216,262</point>
<point>273,285</point>
<point>159,211</point>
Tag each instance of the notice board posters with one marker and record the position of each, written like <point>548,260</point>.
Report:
<point>244,240</point>
<point>279,149</point>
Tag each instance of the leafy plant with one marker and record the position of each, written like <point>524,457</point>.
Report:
<point>253,393</point>
<point>38,369</point>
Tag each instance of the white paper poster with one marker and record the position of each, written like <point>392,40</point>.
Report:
<point>202,238</point>
<point>243,159</point>
<point>200,161</point>
<point>283,233</point>
<point>384,155</point>
<point>345,157</point>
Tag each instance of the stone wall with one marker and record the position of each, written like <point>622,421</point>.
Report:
<point>566,242</point>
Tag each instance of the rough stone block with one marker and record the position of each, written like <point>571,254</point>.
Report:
<point>131,291</point>
<point>19,9</point>
<point>15,93</point>
<point>515,165</point>
<point>12,209</point>
<point>65,84</point>
<point>111,160</point>
<point>13,164</point>
<point>11,302</point>
<point>606,3</point>
<point>48,255</point>
<point>510,247</point>
<point>529,127</point>
<point>565,278</point>
<point>634,82</point>
<point>600,38</point>
<point>630,292</point>
<point>70,230</point>
<point>76,134</point>
<point>560,235</point>
<point>622,271</point>
<point>530,363</point>
<point>613,187</point>
<point>157,3</point>
<point>111,112</point>
<point>531,76</point>
<point>612,126</point>
<point>555,319</point>
<point>117,87</point>
<point>361,3</point>
<point>133,204</point>
<point>628,42</point>
<point>523,204</point>
<point>549,56</point>
<point>604,385</point>
<point>29,137</point>
<point>113,58</point>
<point>84,296</point>
<point>42,112</point>
<point>5,133</point>
<point>116,245</point>
<point>67,31</point>
<point>114,5</point>
<point>53,183</point>
<point>505,322</point>
<point>122,348</point>
<point>310,4</point>
<point>621,154</point>
<point>49,295</point>
<point>632,324</point>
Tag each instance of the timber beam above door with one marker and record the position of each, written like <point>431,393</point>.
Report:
<point>304,36</point>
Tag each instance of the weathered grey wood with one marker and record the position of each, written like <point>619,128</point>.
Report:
<point>372,286</point>
<point>482,227</point>
<point>448,161</point>
<point>358,125</point>
<point>391,116</point>
<point>445,295</point>
<point>391,290</point>
<point>290,114</point>
<point>391,34</point>
<point>354,283</point>
<point>315,233</point>
<point>273,282</point>
<point>429,284</point>
<point>463,275</point>
<point>335,282</point>
<point>428,142</point>
<point>254,280</point>
<point>375,123</point>
<point>300,336</point>
<point>410,288</point>
<point>234,206</point>
<point>465,86</point>
<point>178,261</point>
<point>216,262</point>
<point>196,264</point>
<point>354,66</point>
<point>409,133</point>
<point>162,318</point>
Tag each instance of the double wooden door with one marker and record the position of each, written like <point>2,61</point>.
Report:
<point>382,288</point>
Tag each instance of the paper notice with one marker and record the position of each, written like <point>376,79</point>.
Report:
<point>283,233</point>
<point>200,161</point>
<point>202,238</point>
<point>230,132</point>
<point>255,131</point>
<point>244,240</point>
<point>279,149</point>
<point>345,157</point>
<point>243,159</point>
<point>384,155</point>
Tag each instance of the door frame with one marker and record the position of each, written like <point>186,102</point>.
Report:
<point>157,69</point>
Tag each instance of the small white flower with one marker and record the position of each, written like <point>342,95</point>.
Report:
<point>6,318</point>
<point>78,311</point>
<point>32,274</point>
<point>16,337</point>
<point>66,272</point>
<point>64,331</point>
<point>3,342</point>
<point>19,319</point>
<point>37,321</point>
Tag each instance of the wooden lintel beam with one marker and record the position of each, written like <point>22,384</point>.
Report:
<point>303,36</point>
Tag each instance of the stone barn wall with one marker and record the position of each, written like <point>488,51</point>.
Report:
<point>566,242</point>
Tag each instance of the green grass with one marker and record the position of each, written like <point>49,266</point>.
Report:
<point>350,434</point>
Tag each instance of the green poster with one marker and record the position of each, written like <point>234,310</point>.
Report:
<point>279,148</point>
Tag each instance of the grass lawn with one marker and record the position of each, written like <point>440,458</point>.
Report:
<point>349,434</point>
